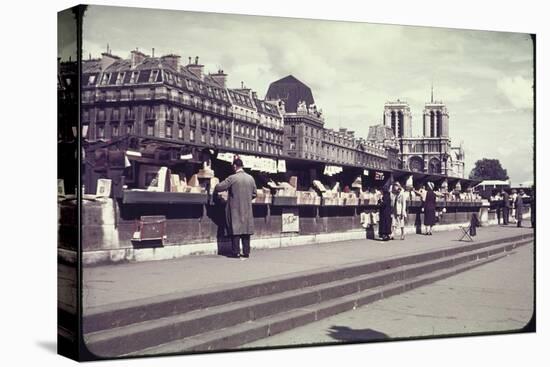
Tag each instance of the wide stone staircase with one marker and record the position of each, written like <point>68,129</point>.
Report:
<point>226,318</point>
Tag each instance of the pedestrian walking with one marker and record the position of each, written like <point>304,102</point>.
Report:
<point>399,209</point>
<point>505,207</point>
<point>519,208</point>
<point>429,209</point>
<point>241,189</point>
<point>385,214</point>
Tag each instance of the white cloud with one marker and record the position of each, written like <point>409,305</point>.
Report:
<point>518,90</point>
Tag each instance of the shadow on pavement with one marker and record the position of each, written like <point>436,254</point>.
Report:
<point>346,334</point>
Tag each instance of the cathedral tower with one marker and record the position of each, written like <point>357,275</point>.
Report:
<point>397,116</point>
<point>436,119</point>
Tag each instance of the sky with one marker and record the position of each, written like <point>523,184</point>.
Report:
<point>484,77</point>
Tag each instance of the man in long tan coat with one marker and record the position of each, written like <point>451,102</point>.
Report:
<point>241,189</point>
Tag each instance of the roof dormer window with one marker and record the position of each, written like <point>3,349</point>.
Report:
<point>134,76</point>
<point>120,78</point>
<point>153,76</point>
<point>105,79</point>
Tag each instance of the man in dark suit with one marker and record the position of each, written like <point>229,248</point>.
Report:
<point>241,189</point>
<point>505,207</point>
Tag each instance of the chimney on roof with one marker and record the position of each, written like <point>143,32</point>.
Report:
<point>136,57</point>
<point>196,68</point>
<point>220,77</point>
<point>172,60</point>
<point>254,95</point>
<point>153,52</point>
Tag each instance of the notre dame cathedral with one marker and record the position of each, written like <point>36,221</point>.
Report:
<point>432,152</point>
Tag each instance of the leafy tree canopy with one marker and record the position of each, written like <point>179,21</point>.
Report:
<point>488,169</point>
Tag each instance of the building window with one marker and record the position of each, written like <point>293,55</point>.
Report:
<point>116,115</point>
<point>114,130</point>
<point>130,113</point>
<point>169,130</point>
<point>100,131</point>
<point>150,130</point>
<point>101,115</point>
<point>292,144</point>
<point>260,148</point>
<point>180,132</point>
<point>203,138</point>
<point>129,128</point>
<point>212,139</point>
<point>192,135</point>
<point>91,80</point>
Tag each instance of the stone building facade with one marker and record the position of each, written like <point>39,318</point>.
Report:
<point>160,97</point>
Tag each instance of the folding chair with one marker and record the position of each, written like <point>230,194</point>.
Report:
<point>470,230</point>
<point>466,233</point>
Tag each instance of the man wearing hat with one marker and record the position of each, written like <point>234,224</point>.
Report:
<point>241,189</point>
<point>505,207</point>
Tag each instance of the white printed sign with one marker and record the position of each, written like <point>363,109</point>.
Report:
<point>103,187</point>
<point>291,222</point>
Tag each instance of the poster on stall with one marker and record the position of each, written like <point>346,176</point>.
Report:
<point>103,188</point>
<point>291,221</point>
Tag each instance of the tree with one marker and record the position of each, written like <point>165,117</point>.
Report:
<point>488,169</point>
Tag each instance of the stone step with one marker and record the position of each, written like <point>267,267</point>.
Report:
<point>244,333</point>
<point>134,337</point>
<point>126,313</point>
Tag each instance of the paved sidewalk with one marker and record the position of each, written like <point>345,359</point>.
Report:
<point>126,282</point>
<point>491,298</point>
